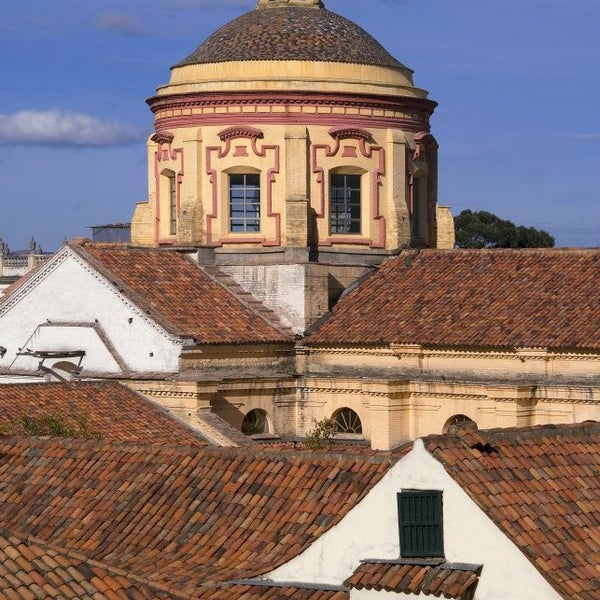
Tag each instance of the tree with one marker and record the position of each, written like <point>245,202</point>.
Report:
<point>485,230</point>
<point>322,434</point>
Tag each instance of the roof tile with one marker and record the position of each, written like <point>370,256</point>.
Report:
<point>445,580</point>
<point>216,525</point>
<point>181,296</point>
<point>109,411</point>
<point>479,298</point>
<point>546,501</point>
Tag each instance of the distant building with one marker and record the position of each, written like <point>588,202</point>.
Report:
<point>112,233</point>
<point>14,265</point>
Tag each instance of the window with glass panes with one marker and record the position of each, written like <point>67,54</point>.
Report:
<point>244,202</point>
<point>420,523</point>
<point>344,199</point>
<point>172,204</point>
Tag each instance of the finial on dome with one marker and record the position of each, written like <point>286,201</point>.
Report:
<point>280,3</point>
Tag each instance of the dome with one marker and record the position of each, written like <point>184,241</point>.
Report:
<point>292,33</point>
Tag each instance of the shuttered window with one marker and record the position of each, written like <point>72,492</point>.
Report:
<point>420,522</point>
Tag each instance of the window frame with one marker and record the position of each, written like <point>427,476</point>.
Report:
<point>246,217</point>
<point>345,208</point>
<point>172,191</point>
<point>420,523</point>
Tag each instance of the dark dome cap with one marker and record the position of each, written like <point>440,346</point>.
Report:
<point>300,33</point>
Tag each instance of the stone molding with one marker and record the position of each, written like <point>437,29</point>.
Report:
<point>417,351</point>
<point>227,136</point>
<point>337,110</point>
<point>367,149</point>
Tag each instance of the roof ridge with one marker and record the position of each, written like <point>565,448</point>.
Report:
<point>28,539</point>
<point>138,299</point>
<point>251,452</point>
<point>499,435</point>
<point>246,298</point>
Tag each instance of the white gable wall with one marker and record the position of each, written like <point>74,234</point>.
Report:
<point>370,531</point>
<point>69,306</point>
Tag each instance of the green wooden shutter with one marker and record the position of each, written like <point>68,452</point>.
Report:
<point>420,523</point>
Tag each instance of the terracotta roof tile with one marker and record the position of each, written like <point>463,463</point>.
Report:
<point>447,580</point>
<point>31,569</point>
<point>292,33</point>
<point>108,410</point>
<point>542,488</point>
<point>263,592</point>
<point>181,296</point>
<point>480,298</point>
<point>182,517</point>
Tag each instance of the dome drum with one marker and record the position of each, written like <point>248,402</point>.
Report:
<point>196,110</point>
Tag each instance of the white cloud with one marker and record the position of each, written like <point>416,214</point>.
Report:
<point>119,22</point>
<point>67,129</point>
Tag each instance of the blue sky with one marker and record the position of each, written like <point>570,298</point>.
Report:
<point>518,83</point>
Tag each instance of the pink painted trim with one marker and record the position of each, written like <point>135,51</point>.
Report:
<point>375,181</point>
<point>347,133</point>
<point>419,121</point>
<point>160,155</point>
<point>324,120</point>
<point>270,177</point>
<point>285,98</point>
<point>163,137</point>
<point>240,132</point>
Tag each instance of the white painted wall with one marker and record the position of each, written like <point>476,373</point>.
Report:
<point>69,306</point>
<point>370,531</point>
<point>279,287</point>
<point>383,595</point>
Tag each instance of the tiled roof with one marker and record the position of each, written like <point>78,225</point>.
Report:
<point>477,298</point>
<point>444,580</point>
<point>261,592</point>
<point>31,570</point>
<point>180,295</point>
<point>292,33</point>
<point>186,517</point>
<point>108,410</point>
<point>542,488</point>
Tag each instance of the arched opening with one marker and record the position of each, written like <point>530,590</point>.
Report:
<point>346,421</point>
<point>255,422</point>
<point>457,422</point>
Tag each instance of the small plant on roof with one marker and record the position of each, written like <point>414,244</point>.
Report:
<point>74,425</point>
<point>322,434</point>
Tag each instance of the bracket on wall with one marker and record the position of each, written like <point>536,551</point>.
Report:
<point>163,137</point>
<point>52,354</point>
<point>348,133</point>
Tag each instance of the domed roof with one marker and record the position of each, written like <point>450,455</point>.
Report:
<point>292,33</point>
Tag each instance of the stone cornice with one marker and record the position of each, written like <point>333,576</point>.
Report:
<point>412,351</point>
<point>344,111</point>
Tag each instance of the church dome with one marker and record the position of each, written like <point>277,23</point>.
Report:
<point>292,33</point>
<point>286,46</point>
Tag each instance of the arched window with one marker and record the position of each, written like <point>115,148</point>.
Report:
<point>458,422</point>
<point>346,421</point>
<point>255,422</point>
